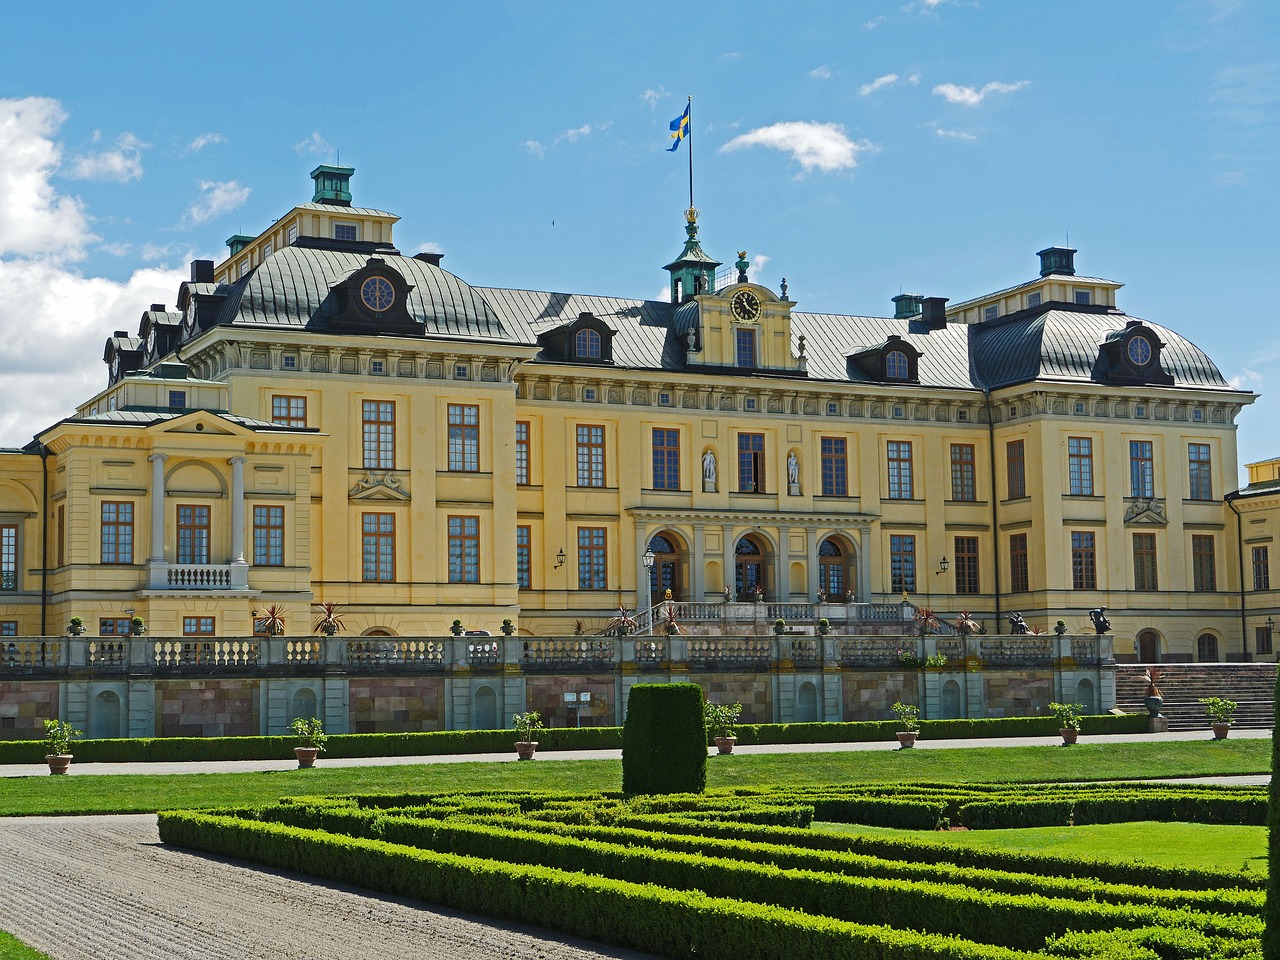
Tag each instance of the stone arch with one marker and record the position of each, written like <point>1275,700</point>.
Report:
<point>105,716</point>
<point>670,569</point>
<point>14,497</point>
<point>379,632</point>
<point>1085,696</point>
<point>952,702</point>
<point>193,469</point>
<point>752,552</point>
<point>303,703</point>
<point>837,565</point>
<point>797,584</point>
<point>807,703</point>
<point>484,709</point>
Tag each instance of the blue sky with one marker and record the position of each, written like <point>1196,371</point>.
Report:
<point>857,149</point>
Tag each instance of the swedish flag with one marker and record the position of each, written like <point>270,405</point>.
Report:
<point>680,128</point>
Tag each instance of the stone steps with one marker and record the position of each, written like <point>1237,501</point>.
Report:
<point>1250,685</point>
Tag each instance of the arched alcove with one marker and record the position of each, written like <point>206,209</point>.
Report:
<point>952,706</point>
<point>105,720</point>
<point>303,704</point>
<point>807,703</point>
<point>484,709</point>
<point>1085,696</point>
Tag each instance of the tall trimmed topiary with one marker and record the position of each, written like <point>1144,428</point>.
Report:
<point>664,744</point>
<point>1271,935</point>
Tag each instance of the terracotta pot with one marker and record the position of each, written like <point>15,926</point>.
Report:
<point>1068,735</point>
<point>907,738</point>
<point>58,762</point>
<point>1220,730</point>
<point>306,756</point>
<point>725,744</point>
<point>525,749</point>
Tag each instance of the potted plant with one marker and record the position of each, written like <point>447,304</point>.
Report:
<point>57,744</point>
<point>822,596</point>
<point>75,627</point>
<point>330,621</point>
<point>508,628</point>
<point>721,721</point>
<point>779,627</point>
<point>456,628</point>
<point>1222,713</point>
<point>670,625</point>
<point>966,624</point>
<point>824,627</point>
<point>1068,717</point>
<point>1060,628</point>
<point>757,594</point>
<point>272,622</point>
<point>622,624</point>
<point>137,627</point>
<point>908,715</point>
<point>525,724</point>
<point>578,628</point>
<point>848,595</point>
<point>926,621</point>
<point>311,740</point>
<point>1155,699</point>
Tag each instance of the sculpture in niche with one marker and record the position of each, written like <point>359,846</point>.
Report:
<point>709,471</point>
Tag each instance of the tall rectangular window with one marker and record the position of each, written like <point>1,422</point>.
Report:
<point>744,341</point>
<point>1261,640</point>
<point>464,549</point>
<point>666,459</point>
<point>1204,569</point>
<point>902,562</point>
<point>1261,569</point>
<point>1084,561</point>
<point>901,486</point>
<point>198,626</point>
<point>962,482</point>
<point>590,456</point>
<point>1142,478</point>
<point>1019,568</point>
<point>379,432</point>
<point>1201,471</point>
<point>835,467</point>
<point>524,558</point>
<point>1015,453</point>
<point>268,536</point>
<point>464,437</point>
<point>1144,562</point>
<point>967,565</point>
<point>1080,466</point>
<point>751,463</point>
<point>592,569</point>
<point>379,547</point>
<point>522,452</point>
<point>289,411</point>
<point>8,556</point>
<point>193,533</point>
<point>117,531</point>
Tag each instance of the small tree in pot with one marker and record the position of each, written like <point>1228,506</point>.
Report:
<point>908,714</point>
<point>75,627</point>
<point>330,621</point>
<point>57,744</point>
<point>1068,717</point>
<point>137,627</point>
<point>1222,713</point>
<point>311,740</point>
<point>525,724</point>
<point>721,721</point>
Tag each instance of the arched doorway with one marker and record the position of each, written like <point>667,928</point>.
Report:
<point>748,567</point>
<point>1207,648</point>
<point>807,703</point>
<point>835,567</point>
<point>665,573</point>
<point>1148,647</point>
<point>1084,696</point>
<point>484,709</point>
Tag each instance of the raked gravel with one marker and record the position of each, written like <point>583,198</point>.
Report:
<point>105,888</point>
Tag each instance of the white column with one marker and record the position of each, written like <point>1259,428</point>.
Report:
<point>237,509</point>
<point>157,506</point>
<point>642,572</point>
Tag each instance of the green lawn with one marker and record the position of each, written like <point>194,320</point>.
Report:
<point>44,794</point>
<point>1168,844</point>
<point>13,949</point>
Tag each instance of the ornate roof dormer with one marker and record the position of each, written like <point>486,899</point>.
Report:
<point>693,272</point>
<point>893,361</point>
<point>373,300</point>
<point>1131,356</point>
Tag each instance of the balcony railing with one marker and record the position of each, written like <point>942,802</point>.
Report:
<point>197,576</point>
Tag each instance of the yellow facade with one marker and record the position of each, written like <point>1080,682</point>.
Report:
<point>397,474</point>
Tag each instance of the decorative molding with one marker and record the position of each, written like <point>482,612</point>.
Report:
<point>379,485</point>
<point>1144,510</point>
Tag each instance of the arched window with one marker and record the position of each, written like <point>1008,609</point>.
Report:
<point>587,344</point>
<point>665,573</point>
<point>1207,648</point>
<point>748,564</point>
<point>896,366</point>
<point>833,569</point>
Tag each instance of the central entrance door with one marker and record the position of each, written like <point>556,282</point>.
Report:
<point>665,574</point>
<point>748,567</point>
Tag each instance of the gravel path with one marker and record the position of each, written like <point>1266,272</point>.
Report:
<point>103,888</point>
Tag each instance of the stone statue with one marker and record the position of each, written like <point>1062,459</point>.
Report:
<point>793,468</point>
<point>709,468</point>
<point>1100,622</point>
<point>1017,626</point>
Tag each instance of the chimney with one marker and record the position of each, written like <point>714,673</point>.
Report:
<point>1059,260</point>
<point>121,334</point>
<point>427,256</point>
<point>933,312</point>
<point>202,271</point>
<point>906,305</point>
<point>157,308</point>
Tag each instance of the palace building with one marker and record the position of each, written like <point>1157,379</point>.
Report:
<point>321,419</point>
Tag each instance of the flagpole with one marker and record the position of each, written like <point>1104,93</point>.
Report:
<point>689,136</point>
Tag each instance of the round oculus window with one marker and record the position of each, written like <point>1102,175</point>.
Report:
<point>1139,351</point>
<point>378,294</point>
<point>746,305</point>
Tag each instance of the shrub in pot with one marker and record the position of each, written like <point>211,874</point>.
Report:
<point>1068,717</point>
<point>57,744</point>
<point>907,714</point>
<point>311,740</point>
<point>721,721</point>
<point>525,724</point>
<point>1222,713</point>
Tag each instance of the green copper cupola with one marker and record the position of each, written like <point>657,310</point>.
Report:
<point>693,272</point>
<point>333,185</point>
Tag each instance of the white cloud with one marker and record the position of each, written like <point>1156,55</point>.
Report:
<point>651,97</point>
<point>205,140</point>
<point>872,24</point>
<point>878,83</point>
<point>822,72</point>
<point>1247,93</point>
<point>429,246</point>
<point>1229,178</point>
<point>151,252</point>
<point>955,134</point>
<point>34,218</point>
<point>216,198</point>
<point>536,148</point>
<point>757,265</point>
<point>972,96</point>
<point>1245,380</point>
<point>815,146</point>
<point>577,133</point>
<point>115,249</point>
<point>314,144</point>
<point>120,165</point>
<point>914,79</point>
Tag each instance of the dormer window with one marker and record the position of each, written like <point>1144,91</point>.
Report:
<point>894,360</point>
<point>991,312</point>
<point>1033,299</point>
<point>586,344</point>
<point>896,365</point>
<point>346,231</point>
<point>1132,356</point>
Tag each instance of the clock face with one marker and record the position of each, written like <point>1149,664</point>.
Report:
<point>115,365</point>
<point>1139,351</point>
<point>151,340</point>
<point>745,305</point>
<point>378,294</point>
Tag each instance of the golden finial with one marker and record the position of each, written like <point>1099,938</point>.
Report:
<point>691,215</point>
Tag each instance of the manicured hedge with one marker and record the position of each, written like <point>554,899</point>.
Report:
<point>664,742</point>
<point>642,917</point>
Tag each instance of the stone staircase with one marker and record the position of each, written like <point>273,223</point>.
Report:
<point>1250,685</point>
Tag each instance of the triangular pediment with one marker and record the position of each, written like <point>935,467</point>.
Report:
<point>378,485</point>
<point>1146,512</point>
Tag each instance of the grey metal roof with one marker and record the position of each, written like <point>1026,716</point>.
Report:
<point>339,209</point>
<point>292,287</point>
<point>1256,490</point>
<point>830,338</point>
<point>1068,278</point>
<point>144,418</point>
